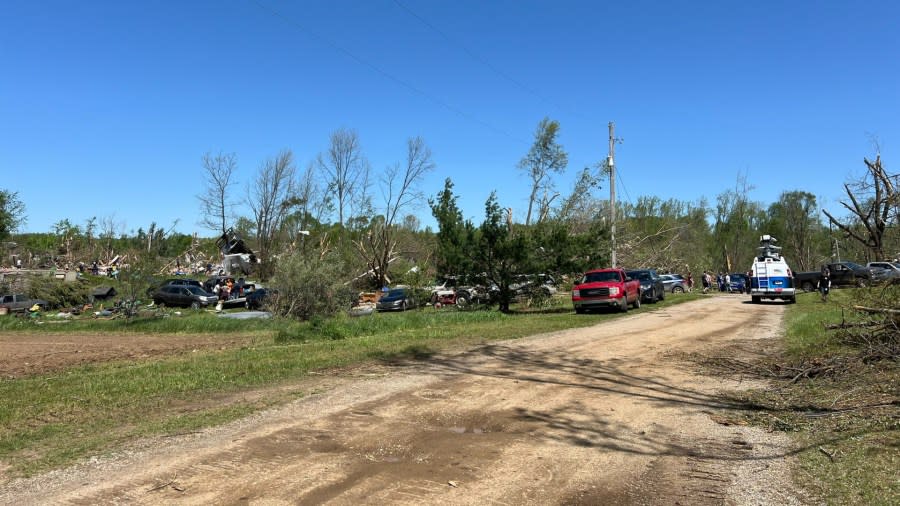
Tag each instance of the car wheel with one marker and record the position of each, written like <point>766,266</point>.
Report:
<point>623,307</point>
<point>159,303</point>
<point>195,305</point>
<point>677,289</point>
<point>462,301</point>
<point>637,303</point>
<point>755,299</point>
<point>662,295</point>
<point>653,297</point>
<point>579,310</point>
<point>247,304</point>
<point>807,286</point>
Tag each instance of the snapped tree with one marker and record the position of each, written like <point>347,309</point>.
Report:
<point>545,158</point>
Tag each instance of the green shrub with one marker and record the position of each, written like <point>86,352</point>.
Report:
<point>59,294</point>
<point>309,287</point>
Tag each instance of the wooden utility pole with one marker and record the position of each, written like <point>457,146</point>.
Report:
<point>611,165</point>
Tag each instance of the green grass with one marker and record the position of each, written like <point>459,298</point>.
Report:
<point>48,421</point>
<point>862,441</point>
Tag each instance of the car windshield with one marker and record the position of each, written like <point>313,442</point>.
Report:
<point>593,277</point>
<point>642,275</point>
<point>396,292</point>
<point>196,290</point>
<point>854,266</point>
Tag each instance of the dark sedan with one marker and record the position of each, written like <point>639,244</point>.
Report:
<point>397,299</point>
<point>652,288</point>
<point>184,296</point>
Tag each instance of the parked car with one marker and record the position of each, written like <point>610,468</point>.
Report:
<point>184,296</point>
<point>18,302</point>
<point>182,282</point>
<point>842,274</point>
<point>396,299</point>
<point>673,283</point>
<point>257,298</point>
<point>175,282</point>
<point>739,282</point>
<point>883,271</point>
<point>652,288</point>
<point>606,288</point>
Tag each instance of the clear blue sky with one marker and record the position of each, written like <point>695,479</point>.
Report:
<point>106,108</point>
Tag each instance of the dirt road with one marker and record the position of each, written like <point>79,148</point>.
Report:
<point>610,414</point>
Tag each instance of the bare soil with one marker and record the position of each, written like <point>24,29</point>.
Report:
<point>34,354</point>
<point>610,414</point>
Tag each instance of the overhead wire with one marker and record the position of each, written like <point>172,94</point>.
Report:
<point>387,75</point>
<point>475,56</point>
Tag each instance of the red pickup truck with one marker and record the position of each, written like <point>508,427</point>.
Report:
<point>606,288</point>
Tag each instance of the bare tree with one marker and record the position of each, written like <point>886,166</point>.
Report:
<point>400,190</point>
<point>109,230</point>
<point>346,169</point>
<point>545,157</point>
<point>873,202</point>
<point>308,206</point>
<point>216,202</point>
<point>270,198</point>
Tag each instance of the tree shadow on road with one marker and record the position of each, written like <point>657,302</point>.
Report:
<point>596,426</point>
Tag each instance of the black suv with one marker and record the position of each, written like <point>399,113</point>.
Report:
<point>652,288</point>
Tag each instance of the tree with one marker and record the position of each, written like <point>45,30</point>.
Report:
<point>581,208</point>
<point>794,221</point>
<point>308,208</point>
<point>545,157</point>
<point>12,213</point>
<point>660,233</point>
<point>873,202</point>
<point>736,227</point>
<point>270,198</point>
<point>454,236</point>
<point>346,169</point>
<point>378,246</point>
<point>216,201</point>
<point>500,252</point>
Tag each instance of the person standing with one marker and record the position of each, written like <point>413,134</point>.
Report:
<point>824,284</point>
<point>728,282</point>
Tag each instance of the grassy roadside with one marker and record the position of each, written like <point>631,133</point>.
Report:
<point>50,420</point>
<point>845,412</point>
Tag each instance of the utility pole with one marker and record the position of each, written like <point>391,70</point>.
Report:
<point>611,165</point>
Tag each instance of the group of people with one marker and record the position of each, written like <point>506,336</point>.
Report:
<point>228,288</point>
<point>721,281</point>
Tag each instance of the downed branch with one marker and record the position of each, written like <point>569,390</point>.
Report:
<point>884,310</point>
<point>164,485</point>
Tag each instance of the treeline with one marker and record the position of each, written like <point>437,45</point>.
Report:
<point>339,216</point>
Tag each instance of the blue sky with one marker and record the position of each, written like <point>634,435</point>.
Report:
<point>106,108</point>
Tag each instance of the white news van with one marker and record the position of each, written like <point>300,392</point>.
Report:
<point>771,278</point>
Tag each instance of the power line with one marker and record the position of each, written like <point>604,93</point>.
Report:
<point>475,56</point>
<point>362,61</point>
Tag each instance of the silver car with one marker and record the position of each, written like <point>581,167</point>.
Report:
<point>674,283</point>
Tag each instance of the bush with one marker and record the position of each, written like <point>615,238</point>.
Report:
<point>57,293</point>
<point>309,287</point>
